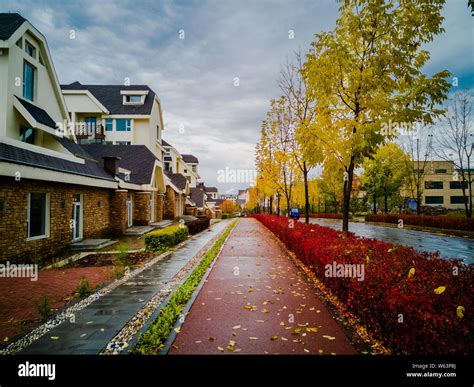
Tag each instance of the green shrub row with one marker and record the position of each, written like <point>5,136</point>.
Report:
<point>154,338</point>
<point>160,240</point>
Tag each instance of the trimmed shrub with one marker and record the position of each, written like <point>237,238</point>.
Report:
<point>433,295</point>
<point>448,222</point>
<point>160,240</point>
<point>198,225</point>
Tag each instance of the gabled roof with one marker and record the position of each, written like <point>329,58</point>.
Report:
<point>9,23</point>
<point>190,159</point>
<point>40,115</point>
<point>211,189</point>
<point>137,159</point>
<point>13,154</point>
<point>164,143</point>
<point>197,196</point>
<point>110,97</point>
<point>178,180</point>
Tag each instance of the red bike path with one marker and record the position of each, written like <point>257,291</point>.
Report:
<point>256,301</point>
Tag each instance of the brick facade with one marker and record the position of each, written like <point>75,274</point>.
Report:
<point>14,245</point>
<point>118,211</point>
<point>141,208</point>
<point>169,209</point>
<point>159,203</point>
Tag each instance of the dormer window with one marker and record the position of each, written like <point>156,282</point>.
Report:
<point>28,81</point>
<point>134,97</point>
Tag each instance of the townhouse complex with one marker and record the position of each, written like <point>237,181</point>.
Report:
<point>81,161</point>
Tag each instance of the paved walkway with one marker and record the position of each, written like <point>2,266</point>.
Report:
<point>255,301</point>
<point>99,322</point>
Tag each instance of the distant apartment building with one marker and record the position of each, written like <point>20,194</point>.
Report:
<point>442,185</point>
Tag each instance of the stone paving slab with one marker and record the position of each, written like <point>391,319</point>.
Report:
<point>96,324</point>
<point>255,301</point>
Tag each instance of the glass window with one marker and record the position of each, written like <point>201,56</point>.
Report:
<point>28,81</point>
<point>123,125</point>
<point>123,143</point>
<point>133,98</point>
<point>457,184</point>
<point>30,49</point>
<point>441,170</point>
<point>458,199</point>
<point>109,125</point>
<point>37,214</point>
<point>433,184</point>
<point>27,135</point>
<point>434,200</point>
<point>91,124</point>
<point>194,168</point>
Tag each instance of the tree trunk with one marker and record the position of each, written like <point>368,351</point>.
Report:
<point>386,203</point>
<point>271,205</point>
<point>374,210</point>
<point>347,198</point>
<point>278,203</point>
<point>306,193</point>
<point>287,197</point>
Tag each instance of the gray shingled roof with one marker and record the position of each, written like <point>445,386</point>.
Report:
<point>9,23</point>
<point>211,189</point>
<point>13,154</point>
<point>178,180</point>
<point>190,159</point>
<point>164,143</point>
<point>110,97</point>
<point>38,114</point>
<point>197,196</point>
<point>138,159</point>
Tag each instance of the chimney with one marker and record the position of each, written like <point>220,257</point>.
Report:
<point>110,164</point>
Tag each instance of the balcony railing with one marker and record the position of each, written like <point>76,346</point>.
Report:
<point>85,130</point>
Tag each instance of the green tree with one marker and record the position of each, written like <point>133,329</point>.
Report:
<point>385,173</point>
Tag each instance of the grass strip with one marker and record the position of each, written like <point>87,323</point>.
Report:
<point>152,341</point>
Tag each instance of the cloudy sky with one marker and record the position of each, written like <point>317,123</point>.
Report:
<point>225,42</point>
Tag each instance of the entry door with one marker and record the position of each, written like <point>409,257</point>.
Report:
<point>129,213</point>
<point>152,208</point>
<point>76,218</point>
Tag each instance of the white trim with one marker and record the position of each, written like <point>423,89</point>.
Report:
<point>36,173</point>
<point>28,117</point>
<point>47,215</point>
<point>134,92</point>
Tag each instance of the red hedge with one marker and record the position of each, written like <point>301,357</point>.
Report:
<point>430,322</point>
<point>326,215</point>
<point>449,222</point>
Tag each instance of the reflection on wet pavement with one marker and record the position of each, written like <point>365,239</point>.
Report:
<point>448,246</point>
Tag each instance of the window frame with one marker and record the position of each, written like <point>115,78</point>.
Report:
<point>33,81</point>
<point>46,217</point>
<point>28,45</point>
<point>109,121</point>
<point>128,125</point>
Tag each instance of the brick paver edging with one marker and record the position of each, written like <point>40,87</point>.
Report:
<point>189,273</point>
<point>178,324</point>
<point>163,298</point>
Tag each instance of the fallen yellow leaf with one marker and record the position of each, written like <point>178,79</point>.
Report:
<point>440,289</point>
<point>329,337</point>
<point>460,311</point>
<point>411,272</point>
